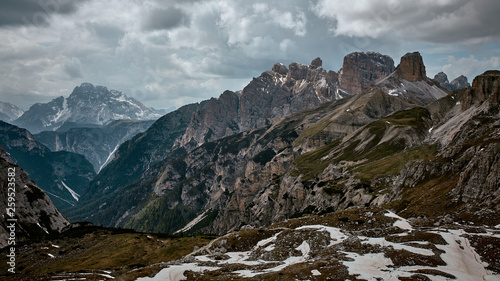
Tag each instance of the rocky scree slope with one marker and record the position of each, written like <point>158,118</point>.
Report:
<point>87,104</point>
<point>64,176</point>
<point>36,215</point>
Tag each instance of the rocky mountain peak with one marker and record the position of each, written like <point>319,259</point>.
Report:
<point>457,83</point>
<point>362,69</point>
<point>317,62</point>
<point>484,87</point>
<point>412,67</point>
<point>87,104</point>
<point>442,79</point>
<point>9,112</point>
<point>460,82</point>
<point>280,68</point>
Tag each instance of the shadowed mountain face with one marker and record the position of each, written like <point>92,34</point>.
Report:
<point>87,104</point>
<point>98,144</point>
<point>64,176</point>
<point>311,161</point>
<point>36,215</point>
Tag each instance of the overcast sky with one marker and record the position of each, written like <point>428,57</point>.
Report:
<point>170,53</point>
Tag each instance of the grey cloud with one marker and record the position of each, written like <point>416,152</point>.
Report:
<point>73,68</point>
<point>34,12</point>
<point>159,19</point>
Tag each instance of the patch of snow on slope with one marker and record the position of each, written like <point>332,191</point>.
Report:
<point>75,195</point>
<point>371,267</point>
<point>461,259</point>
<point>393,92</point>
<point>401,222</point>
<point>176,272</point>
<point>110,157</point>
<point>192,223</point>
<point>384,243</point>
<point>336,235</point>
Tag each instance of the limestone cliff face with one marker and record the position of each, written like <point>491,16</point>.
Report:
<point>484,87</point>
<point>412,67</point>
<point>36,215</point>
<point>362,69</point>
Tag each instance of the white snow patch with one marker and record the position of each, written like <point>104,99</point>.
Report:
<point>110,157</point>
<point>461,259</point>
<point>51,255</point>
<point>322,83</point>
<point>269,248</point>
<point>43,228</point>
<point>371,267</point>
<point>105,275</point>
<point>393,92</point>
<point>430,130</point>
<point>401,222</point>
<point>384,243</point>
<point>264,242</point>
<point>458,103</point>
<point>315,272</point>
<point>192,223</point>
<point>304,248</point>
<point>55,246</point>
<point>75,195</point>
<point>335,234</point>
<point>176,272</point>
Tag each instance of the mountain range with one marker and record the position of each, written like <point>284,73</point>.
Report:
<point>305,173</point>
<point>222,173</point>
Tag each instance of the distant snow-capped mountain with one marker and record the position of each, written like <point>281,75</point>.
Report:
<point>87,104</point>
<point>9,112</point>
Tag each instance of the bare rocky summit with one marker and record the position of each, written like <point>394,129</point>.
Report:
<point>412,67</point>
<point>362,69</point>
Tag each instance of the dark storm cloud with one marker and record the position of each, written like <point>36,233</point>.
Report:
<point>168,18</point>
<point>34,12</point>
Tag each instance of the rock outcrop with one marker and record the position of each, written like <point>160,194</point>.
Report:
<point>442,79</point>
<point>412,67</point>
<point>362,69</point>
<point>484,87</point>
<point>459,83</point>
